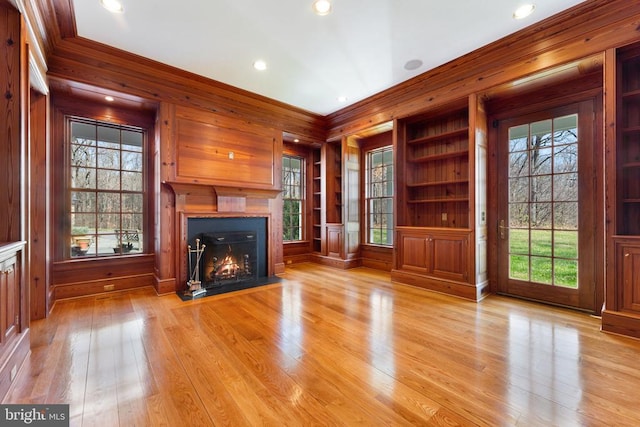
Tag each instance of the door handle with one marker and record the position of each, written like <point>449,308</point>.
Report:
<point>502,230</point>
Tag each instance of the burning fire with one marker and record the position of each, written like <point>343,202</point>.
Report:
<point>228,267</point>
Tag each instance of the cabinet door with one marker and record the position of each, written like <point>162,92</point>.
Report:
<point>414,252</point>
<point>450,256</point>
<point>334,240</point>
<point>9,299</point>
<point>630,271</point>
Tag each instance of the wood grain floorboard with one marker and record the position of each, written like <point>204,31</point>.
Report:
<point>327,347</point>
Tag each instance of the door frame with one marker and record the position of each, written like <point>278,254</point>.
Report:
<point>499,110</point>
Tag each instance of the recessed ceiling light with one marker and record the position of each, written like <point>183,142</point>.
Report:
<point>296,140</point>
<point>113,6</point>
<point>523,11</point>
<point>413,64</point>
<point>260,65</point>
<point>109,98</point>
<point>342,98</point>
<point>321,7</point>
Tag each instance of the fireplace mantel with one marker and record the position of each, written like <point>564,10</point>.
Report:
<point>188,188</point>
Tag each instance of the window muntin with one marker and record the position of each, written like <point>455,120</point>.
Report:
<point>106,188</point>
<point>293,194</point>
<point>379,196</point>
<point>544,202</point>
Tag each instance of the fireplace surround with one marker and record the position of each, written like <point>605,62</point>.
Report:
<point>234,256</point>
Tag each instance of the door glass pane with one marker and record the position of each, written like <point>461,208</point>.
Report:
<point>543,202</point>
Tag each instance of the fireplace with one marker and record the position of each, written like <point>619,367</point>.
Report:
<point>227,253</point>
<point>228,257</point>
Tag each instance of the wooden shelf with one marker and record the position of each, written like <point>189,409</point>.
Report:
<point>631,165</point>
<point>437,183</point>
<point>441,200</point>
<point>631,94</point>
<point>440,136</point>
<point>440,156</point>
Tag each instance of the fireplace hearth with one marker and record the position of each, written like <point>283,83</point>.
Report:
<point>234,254</point>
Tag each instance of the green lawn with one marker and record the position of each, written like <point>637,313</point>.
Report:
<point>551,259</point>
<point>380,237</point>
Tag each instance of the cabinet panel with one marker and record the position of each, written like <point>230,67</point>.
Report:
<point>10,298</point>
<point>12,304</point>
<point>629,271</point>
<point>435,252</point>
<point>450,259</point>
<point>413,250</point>
<point>334,240</point>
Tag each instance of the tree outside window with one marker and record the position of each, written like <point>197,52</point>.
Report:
<point>379,196</point>
<point>106,188</point>
<point>293,198</point>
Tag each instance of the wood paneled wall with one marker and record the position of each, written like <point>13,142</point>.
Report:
<point>214,166</point>
<point>12,121</point>
<point>38,220</point>
<point>81,66</point>
<point>216,150</point>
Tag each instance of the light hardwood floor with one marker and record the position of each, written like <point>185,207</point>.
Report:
<point>328,347</point>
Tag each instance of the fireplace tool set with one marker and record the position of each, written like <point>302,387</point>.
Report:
<point>194,285</point>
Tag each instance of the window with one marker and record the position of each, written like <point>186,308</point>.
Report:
<point>379,196</point>
<point>106,188</point>
<point>293,197</point>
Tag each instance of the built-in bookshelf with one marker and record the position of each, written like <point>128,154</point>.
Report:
<point>316,207</point>
<point>436,164</point>
<point>334,183</point>
<point>628,144</point>
<point>622,304</point>
<point>439,156</point>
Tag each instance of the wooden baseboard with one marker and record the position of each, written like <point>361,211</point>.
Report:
<point>343,264</point>
<point>621,323</point>
<point>449,287</point>
<point>165,286</point>
<point>92,287</point>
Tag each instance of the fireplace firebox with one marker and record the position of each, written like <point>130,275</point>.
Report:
<point>229,257</point>
<point>234,253</point>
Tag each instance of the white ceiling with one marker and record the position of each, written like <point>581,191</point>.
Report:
<point>358,50</point>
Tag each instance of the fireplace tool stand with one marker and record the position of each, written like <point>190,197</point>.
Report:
<point>194,285</point>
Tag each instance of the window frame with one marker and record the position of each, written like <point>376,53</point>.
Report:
<point>126,239</point>
<point>302,200</point>
<point>388,182</point>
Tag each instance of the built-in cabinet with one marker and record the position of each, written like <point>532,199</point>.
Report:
<point>622,305</point>
<point>331,205</point>
<point>14,314</point>
<point>436,232</point>
<point>11,297</point>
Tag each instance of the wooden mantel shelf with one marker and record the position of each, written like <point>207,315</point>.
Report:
<point>186,188</point>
